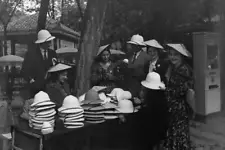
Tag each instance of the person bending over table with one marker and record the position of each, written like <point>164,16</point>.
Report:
<point>57,86</point>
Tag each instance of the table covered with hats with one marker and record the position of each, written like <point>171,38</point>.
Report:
<point>92,120</point>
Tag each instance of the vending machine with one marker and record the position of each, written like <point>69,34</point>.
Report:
<point>207,70</point>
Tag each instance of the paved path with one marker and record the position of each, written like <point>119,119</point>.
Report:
<point>209,135</point>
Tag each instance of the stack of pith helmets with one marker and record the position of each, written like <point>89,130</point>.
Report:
<point>41,110</point>
<point>93,109</point>
<point>71,113</point>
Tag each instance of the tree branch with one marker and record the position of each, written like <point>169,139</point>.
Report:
<point>80,9</point>
<point>13,11</point>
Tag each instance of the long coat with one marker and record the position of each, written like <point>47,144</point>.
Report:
<point>35,67</point>
<point>135,73</point>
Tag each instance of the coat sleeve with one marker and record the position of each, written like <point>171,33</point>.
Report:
<point>27,67</point>
<point>55,95</point>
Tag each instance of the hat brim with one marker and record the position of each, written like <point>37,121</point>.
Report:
<point>59,69</point>
<point>45,40</point>
<point>153,86</point>
<point>136,43</point>
<point>70,110</point>
<point>122,111</point>
<point>86,102</point>
<point>42,103</point>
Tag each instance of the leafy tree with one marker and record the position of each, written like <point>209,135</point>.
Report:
<point>7,10</point>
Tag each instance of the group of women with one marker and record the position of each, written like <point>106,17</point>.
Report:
<point>164,112</point>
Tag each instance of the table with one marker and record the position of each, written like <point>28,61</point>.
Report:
<point>92,136</point>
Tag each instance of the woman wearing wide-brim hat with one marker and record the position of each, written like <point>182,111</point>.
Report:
<point>57,85</point>
<point>156,63</point>
<point>179,81</point>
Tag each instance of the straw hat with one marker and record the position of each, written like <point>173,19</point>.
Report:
<point>126,106</point>
<point>44,36</point>
<point>137,40</point>
<point>41,97</point>
<point>153,81</point>
<point>59,67</point>
<point>181,49</point>
<point>102,48</point>
<point>46,128</point>
<point>153,43</point>
<point>69,102</point>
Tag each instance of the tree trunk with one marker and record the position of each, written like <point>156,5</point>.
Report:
<point>42,15</point>
<point>90,41</point>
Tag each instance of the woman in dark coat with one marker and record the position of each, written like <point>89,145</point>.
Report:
<point>103,70</point>
<point>150,123</point>
<point>180,79</point>
<point>57,86</point>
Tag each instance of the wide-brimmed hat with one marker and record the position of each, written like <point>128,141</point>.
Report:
<point>40,98</point>
<point>102,48</point>
<point>59,67</point>
<point>70,102</point>
<point>153,43</point>
<point>92,97</point>
<point>137,40</point>
<point>44,36</point>
<point>181,49</point>
<point>153,81</point>
<point>126,106</point>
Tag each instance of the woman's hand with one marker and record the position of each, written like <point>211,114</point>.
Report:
<point>137,101</point>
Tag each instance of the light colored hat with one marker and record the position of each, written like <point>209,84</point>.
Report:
<point>46,128</point>
<point>59,67</point>
<point>126,106</point>
<point>70,102</point>
<point>81,98</point>
<point>115,91</point>
<point>40,97</point>
<point>181,49</point>
<point>153,43</point>
<point>137,40</point>
<point>153,81</point>
<point>126,61</point>
<point>102,48</point>
<point>44,36</point>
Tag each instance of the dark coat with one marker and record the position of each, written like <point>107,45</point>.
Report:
<point>135,74</point>
<point>161,68</point>
<point>35,67</point>
<point>58,92</point>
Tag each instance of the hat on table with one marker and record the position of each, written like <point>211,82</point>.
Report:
<point>126,106</point>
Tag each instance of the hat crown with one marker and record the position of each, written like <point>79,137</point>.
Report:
<point>91,95</point>
<point>41,96</point>
<point>137,38</point>
<point>43,34</point>
<point>153,77</point>
<point>125,105</point>
<point>71,101</point>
